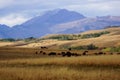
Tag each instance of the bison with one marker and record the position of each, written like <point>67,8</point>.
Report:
<point>52,53</point>
<point>85,52</point>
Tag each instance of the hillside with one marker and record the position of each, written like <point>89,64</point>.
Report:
<point>111,39</point>
<point>87,24</point>
<point>40,25</point>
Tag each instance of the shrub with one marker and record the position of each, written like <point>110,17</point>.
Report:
<point>112,49</point>
<point>65,37</point>
<point>8,40</point>
<point>93,35</point>
<point>85,47</point>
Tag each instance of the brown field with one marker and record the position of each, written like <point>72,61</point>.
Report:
<point>24,64</point>
<point>108,40</point>
<point>22,60</point>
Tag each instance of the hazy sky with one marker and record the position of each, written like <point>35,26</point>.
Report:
<point>14,12</point>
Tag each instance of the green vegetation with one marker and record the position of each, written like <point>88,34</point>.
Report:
<point>8,40</point>
<point>29,39</point>
<point>112,49</point>
<point>76,36</point>
<point>93,35</point>
<point>85,47</point>
<point>65,37</point>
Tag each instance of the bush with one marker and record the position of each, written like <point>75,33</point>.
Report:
<point>86,47</point>
<point>93,35</point>
<point>29,39</point>
<point>112,49</point>
<point>65,37</point>
<point>8,40</point>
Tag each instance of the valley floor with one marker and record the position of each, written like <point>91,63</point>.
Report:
<point>24,64</point>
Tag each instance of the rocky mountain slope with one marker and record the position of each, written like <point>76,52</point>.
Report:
<point>58,21</point>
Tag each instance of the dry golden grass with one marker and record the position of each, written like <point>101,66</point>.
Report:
<point>111,30</point>
<point>24,64</point>
<point>53,73</point>
<point>5,43</point>
<point>59,68</point>
<point>107,40</point>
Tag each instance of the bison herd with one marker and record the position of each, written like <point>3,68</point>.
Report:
<point>68,53</point>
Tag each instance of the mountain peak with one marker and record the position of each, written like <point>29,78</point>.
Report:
<point>58,21</point>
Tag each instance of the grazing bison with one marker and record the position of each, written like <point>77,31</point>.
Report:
<point>44,47</point>
<point>104,53</point>
<point>44,53</point>
<point>75,54</point>
<point>52,53</point>
<point>111,53</point>
<point>69,49</point>
<point>100,53</point>
<point>118,53</point>
<point>85,52</point>
<point>59,54</point>
<point>41,51</point>
<point>95,53</point>
<point>68,54</point>
<point>36,52</point>
<point>63,54</point>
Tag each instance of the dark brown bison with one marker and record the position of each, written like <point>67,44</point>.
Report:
<point>69,54</point>
<point>69,49</point>
<point>44,53</point>
<point>43,47</point>
<point>100,53</point>
<point>118,53</point>
<point>63,54</point>
<point>85,52</point>
<point>36,52</point>
<point>41,51</point>
<point>52,53</point>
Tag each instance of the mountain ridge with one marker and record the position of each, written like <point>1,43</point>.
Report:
<point>58,21</point>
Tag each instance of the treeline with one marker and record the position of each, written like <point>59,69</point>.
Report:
<point>93,35</point>
<point>60,37</point>
<point>84,47</point>
<point>8,40</point>
<point>13,40</point>
<point>66,37</point>
<point>112,49</point>
<point>77,36</point>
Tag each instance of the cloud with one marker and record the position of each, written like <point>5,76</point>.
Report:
<point>13,19</point>
<point>4,3</point>
<point>32,8</point>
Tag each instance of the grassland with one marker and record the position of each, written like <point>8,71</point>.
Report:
<point>19,61</point>
<point>111,39</point>
<point>24,64</point>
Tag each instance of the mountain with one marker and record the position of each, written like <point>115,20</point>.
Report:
<point>87,24</point>
<point>4,31</point>
<point>40,25</point>
<point>58,21</point>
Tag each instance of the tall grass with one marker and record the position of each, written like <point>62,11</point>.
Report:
<point>62,68</point>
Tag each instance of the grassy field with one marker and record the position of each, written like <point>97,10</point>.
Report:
<point>21,60</point>
<point>24,64</point>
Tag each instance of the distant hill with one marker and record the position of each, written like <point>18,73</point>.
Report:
<point>40,26</point>
<point>87,24</point>
<point>58,21</point>
<point>109,37</point>
<point>4,31</point>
